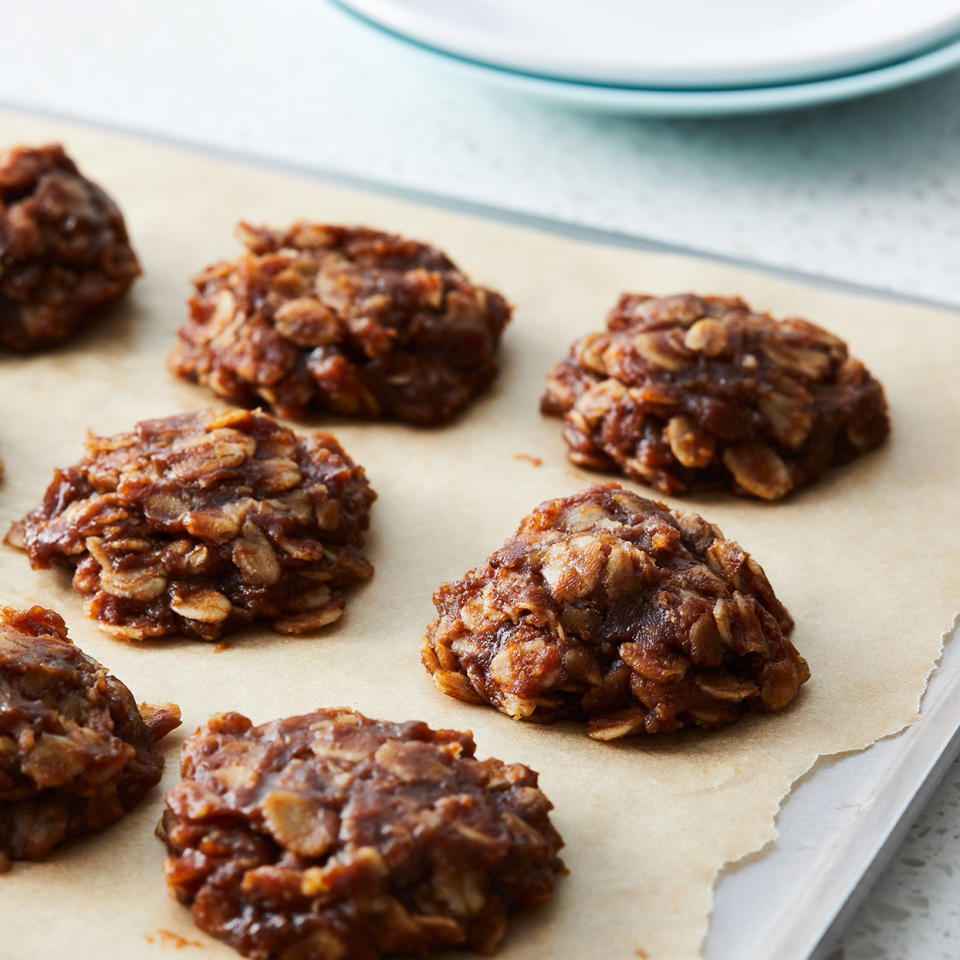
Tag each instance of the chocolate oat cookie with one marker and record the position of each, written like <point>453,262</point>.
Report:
<point>76,753</point>
<point>612,609</point>
<point>331,835</point>
<point>63,248</point>
<point>198,523</point>
<point>689,390</point>
<point>349,320</point>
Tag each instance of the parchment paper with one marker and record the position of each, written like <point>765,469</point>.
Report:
<point>868,562</point>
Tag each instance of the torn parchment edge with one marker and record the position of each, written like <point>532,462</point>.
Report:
<point>835,912</point>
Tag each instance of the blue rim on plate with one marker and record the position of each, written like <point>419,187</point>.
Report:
<point>688,103</point>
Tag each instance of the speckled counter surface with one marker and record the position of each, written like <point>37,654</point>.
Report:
<point>867,192</point>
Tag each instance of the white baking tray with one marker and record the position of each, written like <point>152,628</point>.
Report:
<point>838,829</point>
<point>845,818</point>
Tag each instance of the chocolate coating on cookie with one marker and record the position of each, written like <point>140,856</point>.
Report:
<point>76,752</point>
<point>334,835</point>
<point>685,391</point>
<point>612,609</point>
<point>342,319</point>
<point>198,523</point>
<point>64,250</point>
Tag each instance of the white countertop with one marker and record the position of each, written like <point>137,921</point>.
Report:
<point>867,192</point>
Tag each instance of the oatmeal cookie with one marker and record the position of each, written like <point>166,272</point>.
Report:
<point>199,523</point>
<point>331,835</point>
<point>611,609</point>
<point>687,390</point>
<point>64,249</point>
<point>76,753</point>
<point>342,319</point>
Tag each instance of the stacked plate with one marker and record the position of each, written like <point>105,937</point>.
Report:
<point>682,57</point>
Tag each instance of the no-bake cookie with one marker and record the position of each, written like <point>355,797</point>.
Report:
<point>198,523</point>
<point>342,319</point>
<point>612,609</point>
<point>331,835</point>
<point>64,249</point>
<point>688,390</point>
<point>76,752</point>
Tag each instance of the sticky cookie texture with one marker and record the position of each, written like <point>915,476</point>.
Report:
<point>64,249</point>
<point>612,609</point>
<point>684,391</point>
<point>342,319</point>
<point>198,523</point>
<point>331,835</point>
<point>76,752</point>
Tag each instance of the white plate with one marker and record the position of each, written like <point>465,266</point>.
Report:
<point>674,44</point>
<point>636,101</point>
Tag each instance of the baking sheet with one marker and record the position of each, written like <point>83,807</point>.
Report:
<point>839,827</point>
<point>868,562</point>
